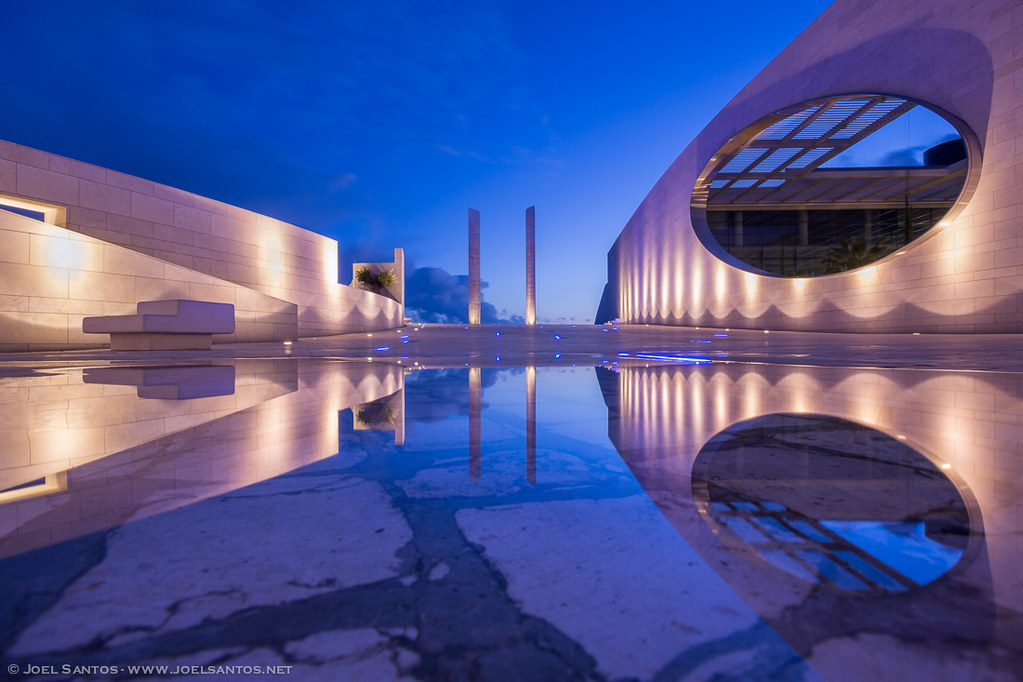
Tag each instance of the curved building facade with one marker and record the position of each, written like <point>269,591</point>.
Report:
<point>868,179</point>
<point>93,242</point>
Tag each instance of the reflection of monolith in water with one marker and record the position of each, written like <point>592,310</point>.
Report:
<point>531,265</point>
<point>531,425</point>
<point>474,266</point>
<point>475,430</point>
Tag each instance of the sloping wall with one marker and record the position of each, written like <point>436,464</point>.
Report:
<point>965,276</point>
<point>206,236</point>
<point>50,278</point>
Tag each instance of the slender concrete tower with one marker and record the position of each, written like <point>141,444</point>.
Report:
<point>531,265</point>
<point>474,266</point>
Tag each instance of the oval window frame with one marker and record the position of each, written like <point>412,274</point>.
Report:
<point>698,194</point>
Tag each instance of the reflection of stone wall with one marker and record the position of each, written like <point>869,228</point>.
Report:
<point>220,245</point>
<point>128,458</point>
<point>970,425</point>
<point>966,276</point>
<point>72,420</point>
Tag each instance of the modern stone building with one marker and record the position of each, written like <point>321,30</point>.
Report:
<point>868,179</point>
<point>95,242</point>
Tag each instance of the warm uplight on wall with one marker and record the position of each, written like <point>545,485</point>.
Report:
<point>329,256</point>
<point>868,273</point>
<point>664,267</point>
<point>678,306</point>
<point>750,280</point>
<point>64,253</point>
<point>271,247</point>
<point>696,290</point>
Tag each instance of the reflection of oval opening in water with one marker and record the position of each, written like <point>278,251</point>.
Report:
<point>832,502</point>
<point>830,185</point>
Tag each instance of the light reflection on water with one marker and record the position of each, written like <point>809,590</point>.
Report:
<point>634,513</point>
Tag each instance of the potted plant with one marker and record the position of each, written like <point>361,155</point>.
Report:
<point>375,281</point>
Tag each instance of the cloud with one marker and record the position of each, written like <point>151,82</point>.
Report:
<point>435,295</point>
<point>911,156</point>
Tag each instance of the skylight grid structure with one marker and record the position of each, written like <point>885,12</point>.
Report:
<point>783,129</point>
<point>742,160</point>
<point>796,142</point>
<point>811,156</point>
<point>869,117</point>
<point>831,117</point>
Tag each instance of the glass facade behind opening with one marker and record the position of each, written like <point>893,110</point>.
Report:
<point>832,185</point>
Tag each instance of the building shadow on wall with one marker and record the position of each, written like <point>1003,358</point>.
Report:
<point>902,317</point>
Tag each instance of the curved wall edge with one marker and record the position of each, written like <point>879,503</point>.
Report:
<point>161,242</point>
<point>965,277</point>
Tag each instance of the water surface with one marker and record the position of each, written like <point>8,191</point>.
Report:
<point>643,520</point>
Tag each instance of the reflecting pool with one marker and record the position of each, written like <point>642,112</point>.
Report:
<point>627,519</point>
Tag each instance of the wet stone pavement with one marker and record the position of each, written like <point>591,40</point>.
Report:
<point>328,519</point>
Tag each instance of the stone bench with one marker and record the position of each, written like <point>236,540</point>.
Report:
<point>165,325</point>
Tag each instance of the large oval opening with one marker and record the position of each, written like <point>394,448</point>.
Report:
<point>832,185</point>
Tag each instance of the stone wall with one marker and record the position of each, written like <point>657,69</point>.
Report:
<point>965,276</point>
<point>205,236</point>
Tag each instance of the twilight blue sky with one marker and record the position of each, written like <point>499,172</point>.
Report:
<point>379,123</point>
